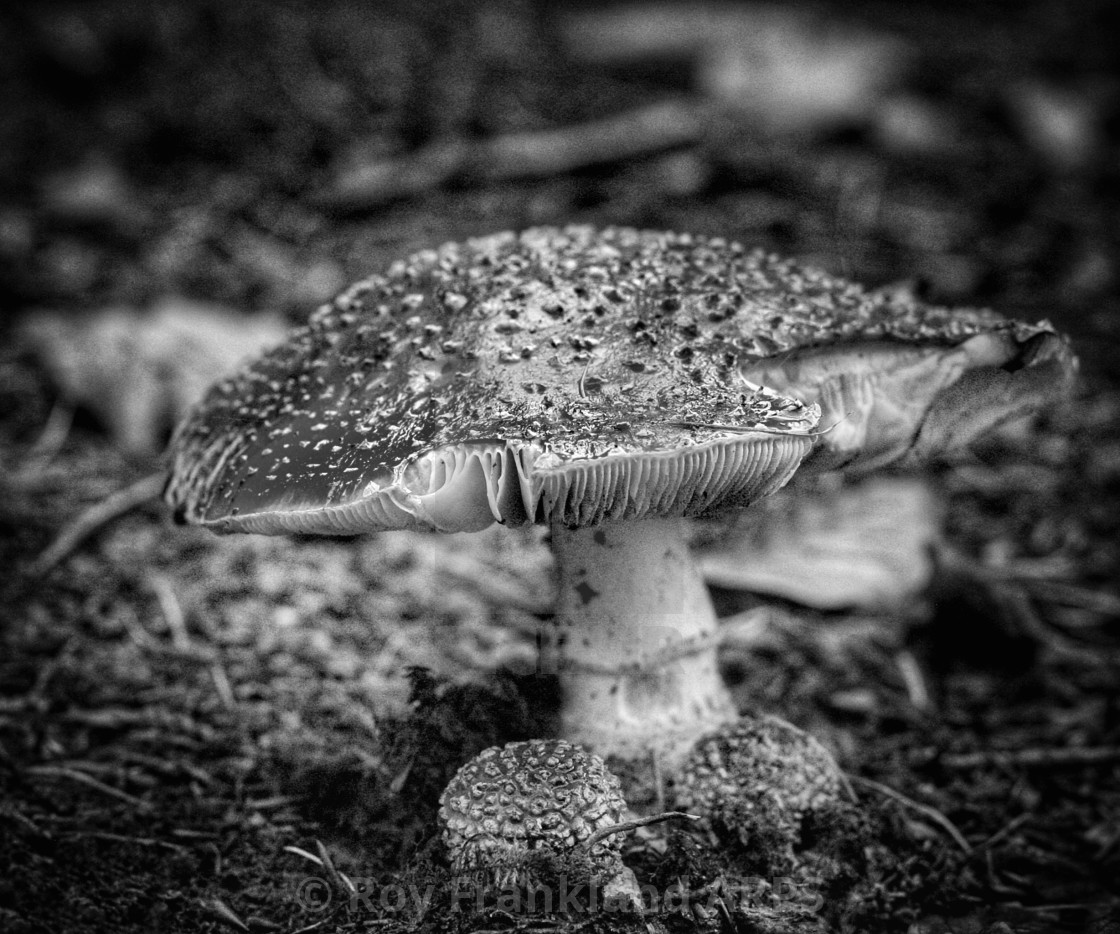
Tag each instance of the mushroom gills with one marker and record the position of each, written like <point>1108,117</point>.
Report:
<point>466,487</point>
<point>884,402</point>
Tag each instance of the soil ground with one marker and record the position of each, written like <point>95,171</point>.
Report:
<point>195,733</point>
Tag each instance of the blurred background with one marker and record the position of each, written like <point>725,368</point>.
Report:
<point>261,155</point>
<point>169,165</point>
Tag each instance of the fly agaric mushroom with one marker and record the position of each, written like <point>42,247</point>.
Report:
<point>543,797</point>
<point>607,383</point>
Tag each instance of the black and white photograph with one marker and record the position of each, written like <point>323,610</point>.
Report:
<point>542,467</point>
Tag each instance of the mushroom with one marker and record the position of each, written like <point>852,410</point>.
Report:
<point>759,778</point>
<point>606,383</point>
<point>536,798</point>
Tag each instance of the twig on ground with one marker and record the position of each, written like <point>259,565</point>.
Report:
<point>50,440</point>
<point>1035,757</point>
<point>223,913</point>
<point>122,838</point>
<point>339,881</point>
<point>1052,588</point>
<point>1010,827</point>
<point>26,823</point>
<point>532,154</point>
<point>313,927</point>
<point>95,517</point>
<point>1018,593</point>
<point>747,627</point>
<point>51,771</point>
<point>186,833</point>
<point>401,176</point>
<point>167,766</point>
<point>270,804</point>
<point>658,780</point>
<point>171,609</point>
<point>1019,603</point>
<point>913,678</point>
<point>932,813</point>
<point>627,825</point>
<point>222,685</point>
<point>301,852</point>
<point>1067,593</point>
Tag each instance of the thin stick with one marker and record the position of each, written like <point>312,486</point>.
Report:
<point>222,685</point>
<point>746,627</point>
<point>90,520</point>
<point>401,176</point>
<point>658,779</point>
<point>51,438</point>
<point>51,771</point>
<point>932,813</point>
<point>1032,758</point>
<point>339,881</point>
<point>912,677</point>
<point>1065,593</point>
<point>628,825</point>
<point>1010,827</point>
<point>121,838</point>
<point>220,911</point>
<point>1055,590</point>
<point>172,611</point>
<point>1057,641</point>
<point>27,823</point>
<point>656,127</point>
<point>299,851</point>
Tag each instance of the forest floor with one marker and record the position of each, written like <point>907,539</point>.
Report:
<point>205,734</point>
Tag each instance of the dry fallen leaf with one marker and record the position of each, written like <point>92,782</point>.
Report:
<point>866,545</point>
<point>139,371</point>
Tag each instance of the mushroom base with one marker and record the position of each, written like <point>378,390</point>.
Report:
<point>636,639</point>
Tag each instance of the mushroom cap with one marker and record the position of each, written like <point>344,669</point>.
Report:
<point>536,795</point>
<point>566,375</point>
<point>759,771</point>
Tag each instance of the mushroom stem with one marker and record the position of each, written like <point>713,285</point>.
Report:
<point>636,640</point>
